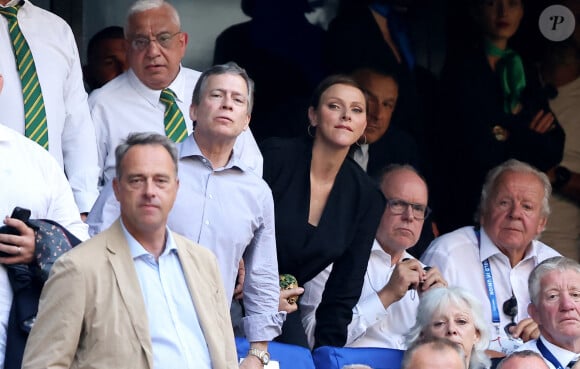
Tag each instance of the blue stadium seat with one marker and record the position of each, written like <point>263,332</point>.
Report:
<point>288,356</point>
<point>327,357</point>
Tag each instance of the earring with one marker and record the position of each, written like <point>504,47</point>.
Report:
<point>308,129</point>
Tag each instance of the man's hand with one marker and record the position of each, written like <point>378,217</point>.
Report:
<point>239,288</point>
<point>526,329</point>
<point>407,274</point>
<point>284,305</point>
<point>21,248</point>
<point>433,279</point>
<point>542,122</point>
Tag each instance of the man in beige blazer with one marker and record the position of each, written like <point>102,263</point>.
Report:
<point>137,295</point>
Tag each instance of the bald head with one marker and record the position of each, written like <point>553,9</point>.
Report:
<point>523,360</point>
<point>436,353</point>
<point>402,220</point>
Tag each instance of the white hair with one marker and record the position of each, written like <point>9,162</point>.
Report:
<point>140,6</point>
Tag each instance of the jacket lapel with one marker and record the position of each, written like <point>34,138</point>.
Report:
<point>129,287</point>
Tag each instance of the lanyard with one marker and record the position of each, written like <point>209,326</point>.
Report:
<point>548,355</point>
<point>489,285</point>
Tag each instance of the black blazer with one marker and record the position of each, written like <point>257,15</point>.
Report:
<point>344,235</point>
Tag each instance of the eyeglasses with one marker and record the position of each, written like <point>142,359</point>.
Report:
<point>141,43</point>
<point>510,308</point>
<point>397,207</point>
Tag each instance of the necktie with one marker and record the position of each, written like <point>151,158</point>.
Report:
<point>572,363</point>
<point>175,127</point>
<point>35,126</point>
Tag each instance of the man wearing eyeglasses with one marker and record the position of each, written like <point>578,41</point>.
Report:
<point>394,279</point>
<point>141,99</point>
<point>495,259</point>
<point>554,287</point>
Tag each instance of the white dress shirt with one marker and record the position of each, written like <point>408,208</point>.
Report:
<point>126,105</point>
<point>32,179</point>
<point>372,324</point>
<point>562,355</point>
<point>459,258</point>
<point>230,211</point>
<point>5,305</point>
<point>71,136</point>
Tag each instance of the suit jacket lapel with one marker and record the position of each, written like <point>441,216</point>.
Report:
<point>129,287</point>
<point>203,293</point>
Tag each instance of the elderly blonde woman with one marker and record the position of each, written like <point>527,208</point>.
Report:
<point>453,313</point>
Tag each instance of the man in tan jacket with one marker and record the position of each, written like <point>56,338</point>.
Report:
<point>137,295</point>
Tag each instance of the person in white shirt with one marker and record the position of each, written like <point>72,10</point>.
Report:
<point>131,102</point>
<point>29,178</point>
<point>394,280</point>
<point>71,135</point>
<point>554,287</point>
<point>494,261</point>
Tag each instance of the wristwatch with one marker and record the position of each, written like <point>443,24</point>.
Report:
<point>563,175</point>
<point>264,356</point>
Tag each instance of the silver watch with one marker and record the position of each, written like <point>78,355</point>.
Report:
<point>264,356</point>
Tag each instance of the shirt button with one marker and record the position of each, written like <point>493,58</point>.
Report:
<point>210,197</point>
<point>207,222</point>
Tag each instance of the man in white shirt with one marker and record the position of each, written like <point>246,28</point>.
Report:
<point>394,279</point>
<point>131,102</point>
<point>388,303</point>
<point>494,261</point>
<point>554,287</point>
<point>71,136</point>
<point>32,179</point>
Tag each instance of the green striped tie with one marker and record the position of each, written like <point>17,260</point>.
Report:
<point>34,114</point>
<point>175,127</point>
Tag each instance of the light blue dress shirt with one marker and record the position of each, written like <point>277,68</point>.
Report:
<point>176,335</point>
<point>230,210</point>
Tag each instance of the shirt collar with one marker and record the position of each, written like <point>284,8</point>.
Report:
<point>488,249</point>
<point>138,251</point>
<point>562,355</point>
<point>378,251</point>
<point>152,96</point>
<point>189,148</point>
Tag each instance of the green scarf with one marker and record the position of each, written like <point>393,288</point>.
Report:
<point>512,76</point>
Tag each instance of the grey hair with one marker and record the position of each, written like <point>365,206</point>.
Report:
<point>143,138</point>
<point>512,165</point>
<point>437,344</point>
<point>227,68</point>
<point>556,263</point>
<point>439,299</point>
<point>521,354</point>
<point>140,6</point>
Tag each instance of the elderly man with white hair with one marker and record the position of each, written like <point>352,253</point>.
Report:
<point>494,260</point>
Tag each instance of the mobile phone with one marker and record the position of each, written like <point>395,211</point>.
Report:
<point>20,214</point>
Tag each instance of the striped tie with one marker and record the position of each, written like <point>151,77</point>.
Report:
<point>36,128</point>
<point>175,127</point>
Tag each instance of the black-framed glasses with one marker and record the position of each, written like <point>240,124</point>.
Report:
<point>164,39</point>
<point>510,308</point>
<point>398,206</point>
